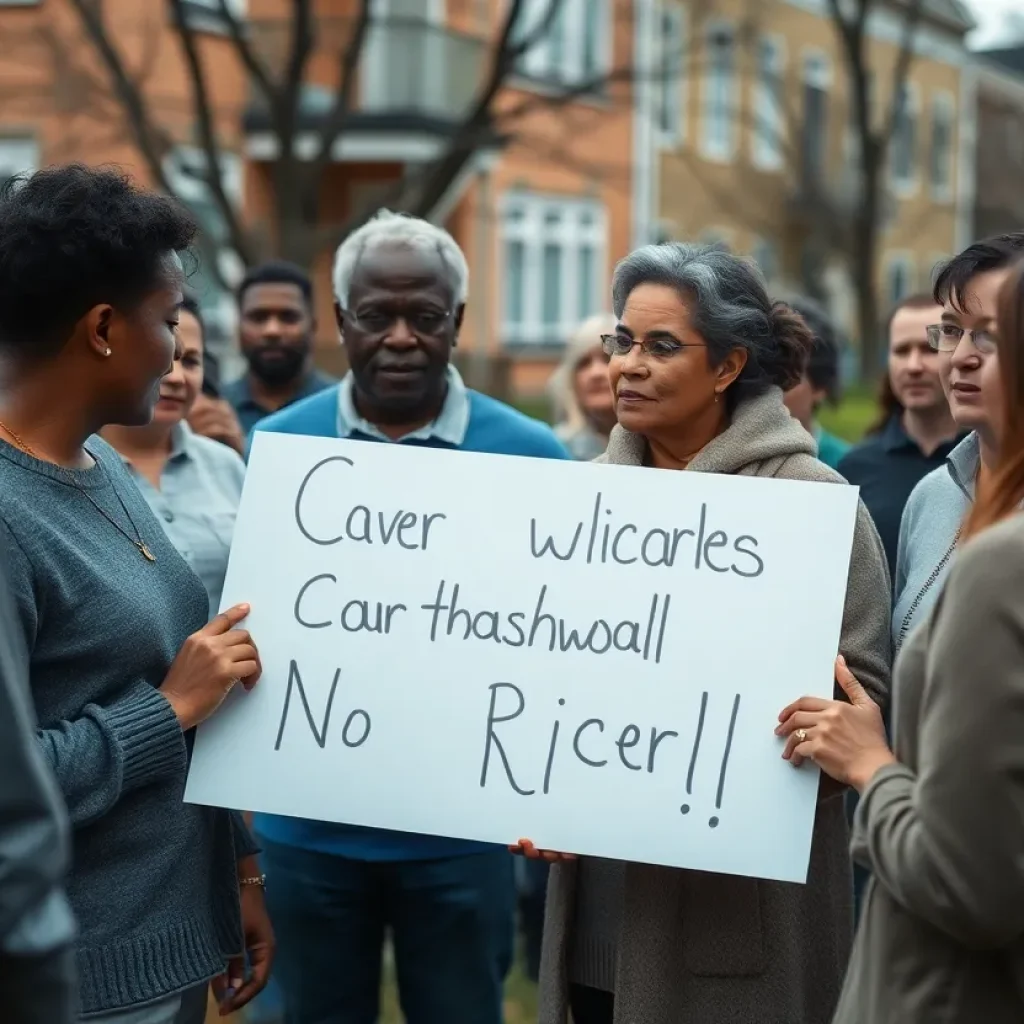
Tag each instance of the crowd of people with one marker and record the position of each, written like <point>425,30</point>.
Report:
<point>122,460</point>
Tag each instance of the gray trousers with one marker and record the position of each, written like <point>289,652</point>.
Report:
<point>185,1008</point>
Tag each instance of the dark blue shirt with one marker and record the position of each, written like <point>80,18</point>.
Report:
<point>250,412</point>
<point>887,466</point>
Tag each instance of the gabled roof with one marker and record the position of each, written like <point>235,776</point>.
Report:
<point>1007,58</point>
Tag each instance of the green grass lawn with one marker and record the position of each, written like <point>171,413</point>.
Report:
<point>851,418</point>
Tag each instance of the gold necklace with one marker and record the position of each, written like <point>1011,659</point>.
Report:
<point>137,540</point>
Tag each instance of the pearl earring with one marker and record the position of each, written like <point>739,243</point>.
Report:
<point>106,352</point>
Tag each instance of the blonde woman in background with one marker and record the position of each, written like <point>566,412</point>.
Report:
<point>584,410</point>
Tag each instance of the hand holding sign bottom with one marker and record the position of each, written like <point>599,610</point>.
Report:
<point>526,848</point>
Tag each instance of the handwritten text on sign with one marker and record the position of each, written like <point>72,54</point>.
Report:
<point>488,648</point>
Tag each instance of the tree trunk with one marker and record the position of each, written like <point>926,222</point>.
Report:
<point>864,257</point>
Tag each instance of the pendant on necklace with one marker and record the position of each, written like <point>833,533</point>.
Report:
<point>146,553</point>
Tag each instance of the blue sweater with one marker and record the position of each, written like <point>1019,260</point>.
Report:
<point>493,428</point>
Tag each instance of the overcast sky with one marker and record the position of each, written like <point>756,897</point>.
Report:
<point>990,15</point>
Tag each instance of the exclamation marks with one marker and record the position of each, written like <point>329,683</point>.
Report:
<point>720,792</point>
<point>685,809</point>
<point>725,759</point>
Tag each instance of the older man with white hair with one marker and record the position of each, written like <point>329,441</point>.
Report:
<point>335,891</point>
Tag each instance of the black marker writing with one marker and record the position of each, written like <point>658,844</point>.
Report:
<point>355,616</point>
<point>608,541</point>
<point>409,530</point>
<point>320,735</point>
<point>492,736</point>
<point>725,759</point>
<point>696,749</point>
<point>450,616</point>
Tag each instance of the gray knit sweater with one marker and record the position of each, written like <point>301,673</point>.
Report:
<point>154,880</point>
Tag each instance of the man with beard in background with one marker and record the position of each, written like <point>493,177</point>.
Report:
<point>276,326</point>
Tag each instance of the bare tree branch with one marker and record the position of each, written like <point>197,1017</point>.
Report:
<point>213,176</point>
<point>256,68</point>
<point>152,141</point>
<point>901,72</point>
<point>336,119</point>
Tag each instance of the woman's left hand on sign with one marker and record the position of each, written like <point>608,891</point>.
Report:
<point>525,848</point>
<point>846,740</point>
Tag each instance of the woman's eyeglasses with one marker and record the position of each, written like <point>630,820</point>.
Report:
<point>659,348</point>
<point>946,337</point>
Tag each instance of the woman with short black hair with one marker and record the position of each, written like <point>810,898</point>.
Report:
<point>122,664</point>
<point>700,358</point>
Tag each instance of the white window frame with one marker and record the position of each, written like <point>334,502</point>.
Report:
<point>905,261</point>
<point>943,106</point>
<point>19,154</point>
<point>757,251</point>
<point>768,131</point>
<point>672,94</point>
<point>714,148</point>
<point>816,70</point>
<point>540,64</point>
<point>533,232</point>
<point>907,185</point>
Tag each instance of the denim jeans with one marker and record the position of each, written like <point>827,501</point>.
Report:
<point>451,923</point>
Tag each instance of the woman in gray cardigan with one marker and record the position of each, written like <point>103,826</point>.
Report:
<point>122,664</point>
<point>698,363</point>
<point>941,817</point>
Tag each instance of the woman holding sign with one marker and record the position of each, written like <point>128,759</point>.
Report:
<point>941,818</point>
<point>122,663</point>
<point>699,359</point>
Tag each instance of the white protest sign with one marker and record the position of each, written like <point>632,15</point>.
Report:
<point>488,647</point>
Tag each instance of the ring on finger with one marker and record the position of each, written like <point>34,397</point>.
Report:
<point>801,735</point>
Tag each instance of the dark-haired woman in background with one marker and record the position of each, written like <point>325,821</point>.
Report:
<point>193,484</point>
<point>122,664</point>
<point>941,817</point>
<point>819,383</point>
<point>699,361</point>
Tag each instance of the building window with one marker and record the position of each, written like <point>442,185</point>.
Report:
<point>719,100</point>
<point>941,152</point>
<point>765,254</point>
<point>671,76</point>
<point>186,173</point>
<point>553,251</point>
<point>769,104</point>
<point>904,138</point>
<point>817,81</point>
<point>899,278</point>
<point>18,155</point>
<point>573,47</point>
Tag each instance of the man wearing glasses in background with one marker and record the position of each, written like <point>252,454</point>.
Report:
<point>334,891</point>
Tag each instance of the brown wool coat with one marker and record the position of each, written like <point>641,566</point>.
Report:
<point>700,948</point>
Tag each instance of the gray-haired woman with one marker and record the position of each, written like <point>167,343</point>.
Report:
<point>698,363</point>
<point>584,406</point>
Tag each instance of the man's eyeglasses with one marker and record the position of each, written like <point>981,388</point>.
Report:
<point>660,348</point>
<point>419,321</point>
<point>946,337</point>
